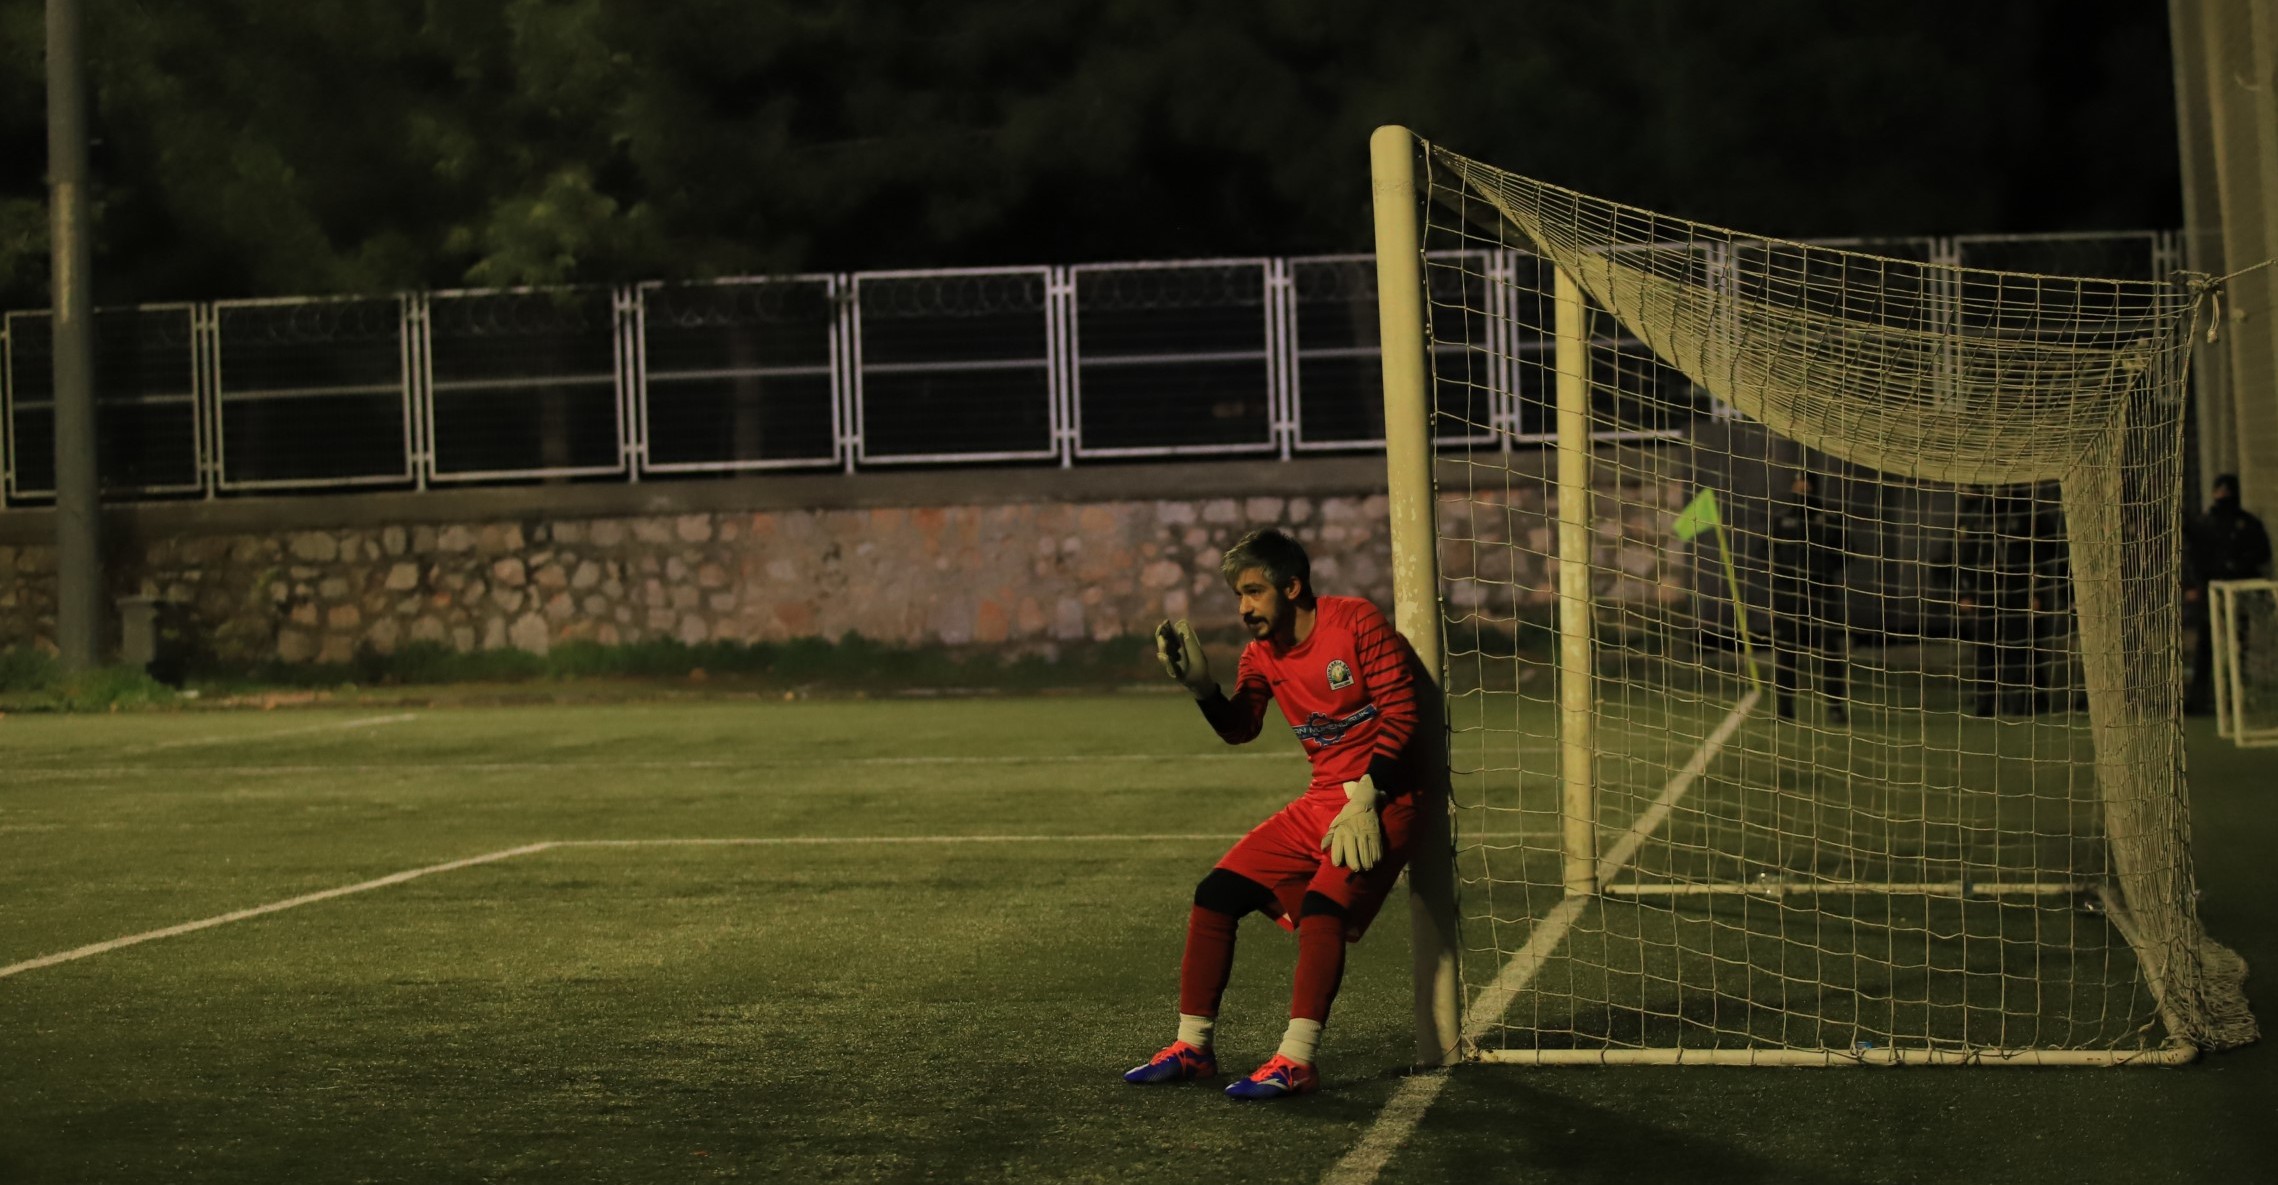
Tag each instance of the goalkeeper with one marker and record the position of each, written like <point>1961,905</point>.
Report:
<point>1322,865</point>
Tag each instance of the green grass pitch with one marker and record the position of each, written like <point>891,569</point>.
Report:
<point>824,1005</point>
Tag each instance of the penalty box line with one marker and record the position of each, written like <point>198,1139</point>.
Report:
<point>231,738</point>
<point>1414,1096</point>
<point>86,771</point>
<point>398,878</point>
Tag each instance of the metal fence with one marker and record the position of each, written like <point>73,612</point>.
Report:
<point>1269,357</point>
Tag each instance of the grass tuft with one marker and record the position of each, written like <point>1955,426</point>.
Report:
<point>33,680</point>
<point>23,668</point>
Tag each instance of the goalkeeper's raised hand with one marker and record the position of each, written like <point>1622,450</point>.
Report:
<point>1182,657</point>
<point>1356,837</point>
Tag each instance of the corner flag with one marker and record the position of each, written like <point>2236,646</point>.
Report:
<point>1701,515</point>
<point>1697,516</point>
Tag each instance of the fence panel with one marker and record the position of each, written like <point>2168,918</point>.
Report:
<point>739,374</point>
<point>1632,391</point>
<point>955,366</point>
<point>312,393</point>
<point>2137,256</point>
<point>1175,358</point>
<point>148,432</point>
<point>526,383</point>
<point>2125,255</point>
<point>1637,393</point>
<point>1337,366</point>
<point>1251,356</point>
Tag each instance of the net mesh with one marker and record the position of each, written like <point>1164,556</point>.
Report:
<point>2244,618</point>
<point>1826,699</point>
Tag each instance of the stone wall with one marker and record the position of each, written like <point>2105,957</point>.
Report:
<point>1024,572</point>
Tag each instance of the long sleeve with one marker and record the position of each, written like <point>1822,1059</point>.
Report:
<point>1388,669</point>
<point>1237,718</point>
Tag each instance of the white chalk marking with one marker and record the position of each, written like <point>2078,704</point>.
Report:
<point>1405,1109</point>
<point>258,910</point>
<point>527,849</point>
<point>541,766</point>
<point>822,840</point>
<point>1401,1113</point>
<point>332,726</point>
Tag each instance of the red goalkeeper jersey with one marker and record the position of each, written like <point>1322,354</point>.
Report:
<point>1348,689</point>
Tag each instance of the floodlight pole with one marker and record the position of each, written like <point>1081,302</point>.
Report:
<point>1415,573</point>
<point>79,616</point>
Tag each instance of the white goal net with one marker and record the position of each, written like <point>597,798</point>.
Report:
<point>2244,617</point>
<point>1809,640</point>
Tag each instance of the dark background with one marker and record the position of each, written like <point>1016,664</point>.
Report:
<point>269,147</point>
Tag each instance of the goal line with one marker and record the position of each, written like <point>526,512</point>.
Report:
<point>1495,999</point>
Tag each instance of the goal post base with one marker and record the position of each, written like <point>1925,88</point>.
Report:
<point>1800,888</point>
<point>2166,1055</point>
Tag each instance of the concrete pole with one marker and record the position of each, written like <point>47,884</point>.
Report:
<point>2255,412</point>
<point>1416,573</point>
<point>2217,437</point>
<point>2236,119</point>
<point>79,609</point>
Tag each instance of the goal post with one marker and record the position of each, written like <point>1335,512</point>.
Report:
<point>1803,619</point>
<point>1415,568</point>
<point>2244,617</point>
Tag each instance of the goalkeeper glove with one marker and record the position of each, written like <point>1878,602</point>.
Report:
<point>1355,839</point>
<point>1182,657</point>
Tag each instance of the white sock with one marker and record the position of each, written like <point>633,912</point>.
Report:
<point>1196,1030</point>
<point>1300,1040</point>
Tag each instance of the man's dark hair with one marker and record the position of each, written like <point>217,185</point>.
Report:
<point>1282,558</point>
<point>2228,481</point>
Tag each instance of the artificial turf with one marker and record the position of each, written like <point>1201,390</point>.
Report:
<point>834,1008</point>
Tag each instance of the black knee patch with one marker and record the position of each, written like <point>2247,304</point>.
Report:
<point>1316,904</point>
<point>1231,893</point>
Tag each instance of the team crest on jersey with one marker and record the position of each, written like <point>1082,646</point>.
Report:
<point>1340,675</point>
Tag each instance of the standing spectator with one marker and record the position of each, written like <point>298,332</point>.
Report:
<point>2050,603</point>
<point>1809,594</point>
<point>1993,600</point>
<point>2229,544</point>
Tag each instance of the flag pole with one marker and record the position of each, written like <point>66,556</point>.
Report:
<point>1702,514</point>
<point>1739,609</point>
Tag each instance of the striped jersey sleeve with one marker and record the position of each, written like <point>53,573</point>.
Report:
<point>1388,669</point>
<point>1238,717</point>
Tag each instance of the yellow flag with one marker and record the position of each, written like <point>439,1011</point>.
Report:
<point>1699,515</point>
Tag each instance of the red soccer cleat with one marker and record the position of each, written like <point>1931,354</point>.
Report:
<point>1178,1062</point>
<point>1277,1079</point>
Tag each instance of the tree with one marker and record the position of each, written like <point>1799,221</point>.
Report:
<point>254,147</point>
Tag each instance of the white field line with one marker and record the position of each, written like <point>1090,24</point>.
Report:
<point>806,840</point>
<point>1405,1109</point>
<point>1402,1112</point>
<point>540,766</point>
<point>398,878</point>
<point>793,841</point>
<point>333,726</point>
<point>258,910</point>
